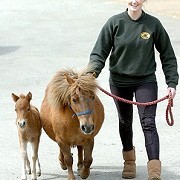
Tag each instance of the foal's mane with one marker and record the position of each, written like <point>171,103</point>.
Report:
<point>59,90</point>
<point>22,97</point>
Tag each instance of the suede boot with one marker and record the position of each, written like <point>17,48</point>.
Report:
<point>129,171</point>
<point>154,169</point>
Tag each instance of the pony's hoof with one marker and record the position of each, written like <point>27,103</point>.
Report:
<point>84,175</point>
<point>71,178</point>
<point>63,166</point>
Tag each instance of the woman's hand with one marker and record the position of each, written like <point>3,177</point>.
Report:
<point>172,91</point>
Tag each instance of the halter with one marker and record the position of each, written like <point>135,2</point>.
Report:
<point>87,111</point>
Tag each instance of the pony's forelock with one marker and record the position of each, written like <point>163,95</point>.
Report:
<point>59,90</point>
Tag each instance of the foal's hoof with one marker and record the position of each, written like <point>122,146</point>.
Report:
<point>38,174</point>
<point>28,172</point>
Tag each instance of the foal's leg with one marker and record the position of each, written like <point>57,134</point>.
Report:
<point>68,159</point>
<point>35,146</point>
<point>88,148</point>
<point>23,148</point>
<point>38,165</point>
<point>28,167</point>
<point>80,157</point>
<point>38,171</point>
<point>61,160</point>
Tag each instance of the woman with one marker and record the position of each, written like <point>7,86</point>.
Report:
<point>129,38</point>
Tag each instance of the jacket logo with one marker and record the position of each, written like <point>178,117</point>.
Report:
<point>145,35</point>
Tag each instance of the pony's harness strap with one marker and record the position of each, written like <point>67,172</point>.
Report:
<point>87,111</point>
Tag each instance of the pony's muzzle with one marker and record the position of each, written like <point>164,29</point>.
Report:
<point>87,129</point>
<point>22,123</point>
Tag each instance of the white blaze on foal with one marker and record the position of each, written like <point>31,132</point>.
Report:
<point>29,130</point>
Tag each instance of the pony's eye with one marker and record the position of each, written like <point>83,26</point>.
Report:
<point>74,100</point>
<point>28,109</point>
<point>93,97</point>
<point>15,109</point>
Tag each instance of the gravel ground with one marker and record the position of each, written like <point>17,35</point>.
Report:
<point>40,37</point>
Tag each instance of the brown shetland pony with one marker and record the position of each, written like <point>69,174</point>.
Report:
<point>72,115</point>
<point>29,130</point>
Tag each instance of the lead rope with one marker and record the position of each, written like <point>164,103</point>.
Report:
<point>169,111</point>
<point>170,121</point>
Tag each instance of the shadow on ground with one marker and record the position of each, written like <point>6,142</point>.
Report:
<point>8,49</point>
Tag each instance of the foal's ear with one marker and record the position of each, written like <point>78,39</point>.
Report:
<point>69,79</point>
<point>29,96</point>
<point>15,97</point>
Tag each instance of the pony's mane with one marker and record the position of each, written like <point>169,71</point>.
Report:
<point>59,90</point>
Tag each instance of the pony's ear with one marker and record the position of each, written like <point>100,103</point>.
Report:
<point>69,79</point>
<point>78,90</point>
<point>29,96</point>
<point>94,74</point>
<point>14,97</point>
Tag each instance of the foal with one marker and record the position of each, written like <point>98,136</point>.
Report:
<point>29,130</point>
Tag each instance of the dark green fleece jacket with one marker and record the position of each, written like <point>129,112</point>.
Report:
<point>130,46</point>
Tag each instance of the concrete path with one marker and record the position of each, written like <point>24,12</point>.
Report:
<point>37,38</point>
